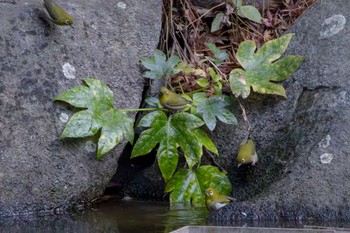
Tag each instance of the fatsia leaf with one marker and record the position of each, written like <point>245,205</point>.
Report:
<point>116,125</point>
<point>262,69</point>
<point>188,186</point>
<point>214,107</point>
<point>168,132</point>
<point>159,67</point>
<point>205,140</point>
<point>97,100</point>
<point>85,96</point>
<point>210,176</point>
<point>152,101</point>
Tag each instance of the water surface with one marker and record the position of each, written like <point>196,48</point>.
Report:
<point>112,216</point>
<point>116,216</point>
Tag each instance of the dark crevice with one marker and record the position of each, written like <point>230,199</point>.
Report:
<point>127,167</point>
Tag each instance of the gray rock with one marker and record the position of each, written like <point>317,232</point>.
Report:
<point>303,142</point>
<point>39,60</point>
<point>147,184</point>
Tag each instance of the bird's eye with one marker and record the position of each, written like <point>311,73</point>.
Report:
<point>211,193</point>
<point>67,21</point>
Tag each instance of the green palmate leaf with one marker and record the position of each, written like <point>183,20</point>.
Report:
<point>184,187</point>
<point>210,176</point>
<point>188,186</point>
<point>249,12</point>
<point>159,67</point>
<point>115,126</point>
<point>261,67</point>
<point>85,96</point>
<point>219,55</point>
<point>212,108</point>
<point>97,99</point>
<point>216,24</point>
<point>152,101</point>
<point>168,132</point>
<point>204,140</point>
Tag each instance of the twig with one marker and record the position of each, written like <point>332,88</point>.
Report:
<point>248,131</point>
<point>207,12</point>
<point>213,158</point>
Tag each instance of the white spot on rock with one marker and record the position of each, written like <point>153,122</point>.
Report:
<point>244,214</point>
<point>127,198</point>
<point>325,142</point>
<point>68,71</point>
<point>332,26</point>
<point>90,146</point>
<point>121,5</point>
<point>326,158</point>
<point>342,97</point>
<point>64,117</point>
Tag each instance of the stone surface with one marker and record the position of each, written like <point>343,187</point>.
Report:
<point>39,60</point>
<point>303,142</point>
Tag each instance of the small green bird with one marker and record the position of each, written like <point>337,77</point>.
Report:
<point>214,200</point>
<point>56,14</point>
<point>247,153</point>
<point>172,101</point>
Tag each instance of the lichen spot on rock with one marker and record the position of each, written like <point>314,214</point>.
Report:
<point>326,158</point>
<point>325,142</point>
<point>332,26</point>
<point>90,146</point>
<point>121,5</point>
<point>64,117</point>
<point>68,71</point>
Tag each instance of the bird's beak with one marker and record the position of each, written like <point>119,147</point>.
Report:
<point>71,26</point>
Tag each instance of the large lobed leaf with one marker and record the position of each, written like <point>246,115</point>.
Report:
<point>214,107</point>
<point>188,186</point>
<point>159,67</point>
<point>97,100</point>
<point>261,70</point>
<point>168,133</point>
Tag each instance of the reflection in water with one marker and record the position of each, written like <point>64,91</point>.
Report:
<point>135,216</point>
<point>149,217</point>
<point>113,216</point>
